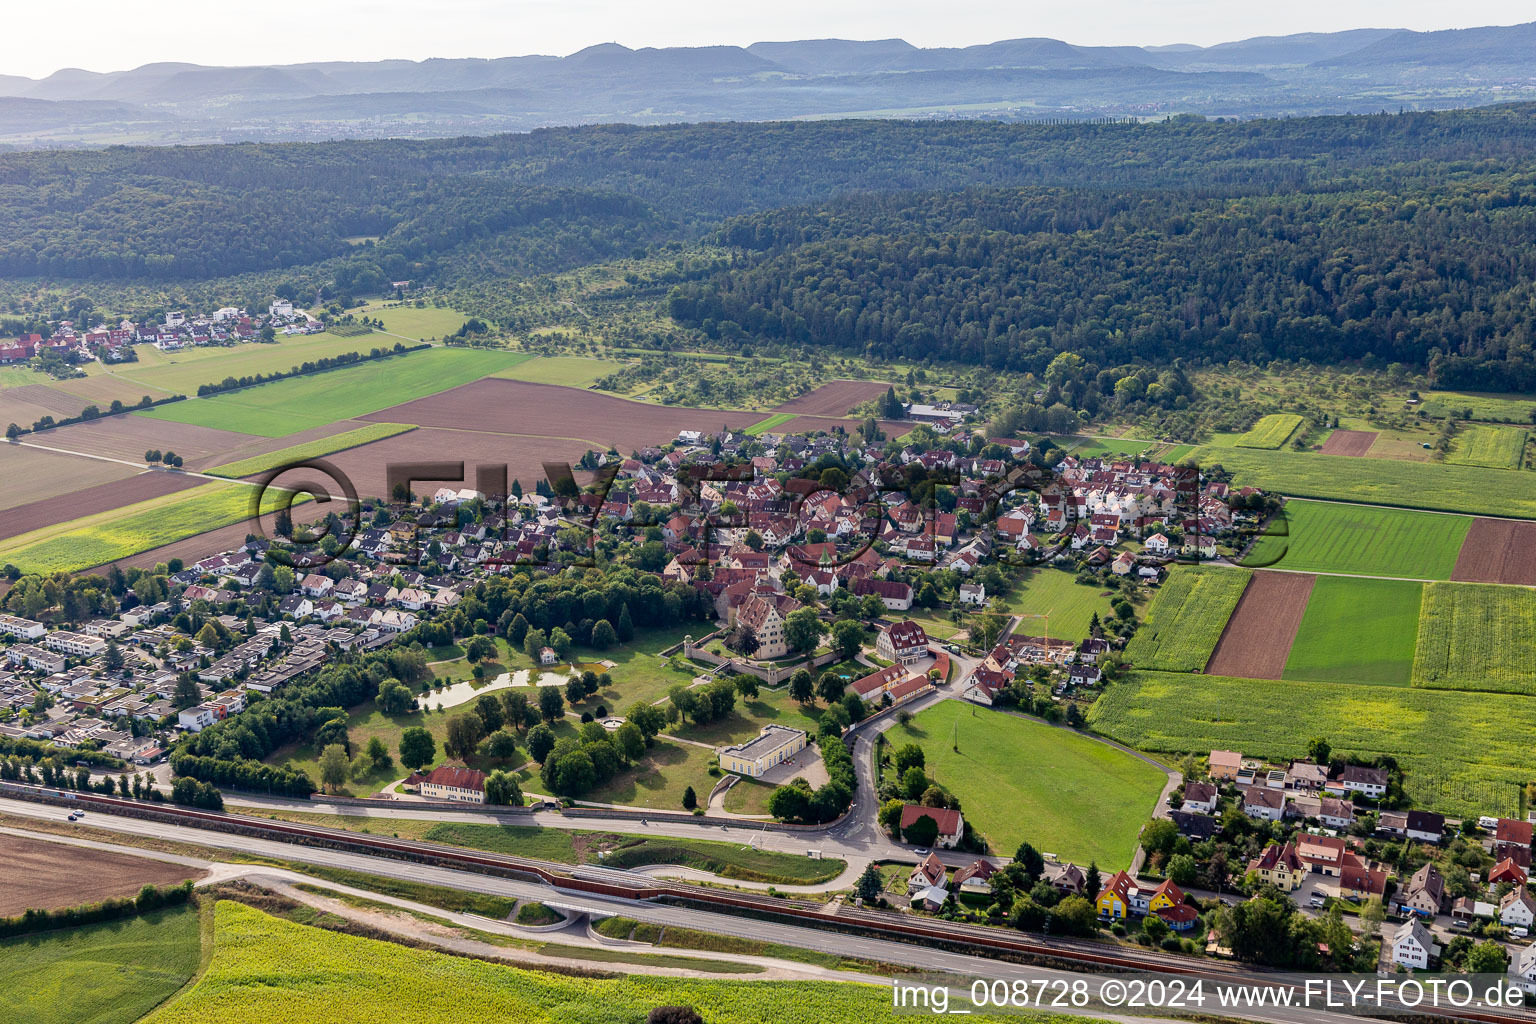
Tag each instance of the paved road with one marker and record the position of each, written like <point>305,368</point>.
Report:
<point>920,957</point>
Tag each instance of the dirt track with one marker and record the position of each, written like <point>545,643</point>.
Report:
<point>1258,637</point>
<point>835,398</point>
<point>47,876</point>
<point>1349,442</point>
<point>1498,551</point>
<point>90,500</point>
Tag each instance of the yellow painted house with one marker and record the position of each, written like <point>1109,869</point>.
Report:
<point>773,746</point>
<point>1279,866</point>
<point>1115,900</point>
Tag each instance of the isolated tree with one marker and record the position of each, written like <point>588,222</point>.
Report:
<point>186,693</point>
<point>501,788</point>
<point>540,742</point>
<point>868,886</point>
<point>1319,750</point>
<point>499,745</point>
<point>488,707</point>
<point>914,782</point>
<point>802,630</point>
<point>830,687</point>
<point>848,637</point>
<point>479,648</point>
<point>417,748</point>
<point>625,627</point>
<point>464,732</point>
<point>333,766</point>
<point>802,688</point>
<point>377,755</point>
<point>690,800</point>
<point>1028,858</point>
<point>908,756</point>
<point>514,709</point>
<point>603,635</point>
<point>551,704</point>
<point>394,697</point>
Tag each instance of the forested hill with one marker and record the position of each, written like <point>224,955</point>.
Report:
<point>189,213</point>
<point>1436,274</point>
<point>1408,237</point>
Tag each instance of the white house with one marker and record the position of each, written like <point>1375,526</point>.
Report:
<point>1264,803</point>
<point>1522,969</point>
<point>905,642</point>
<point>196,719</point>
<point>1157,544</point>
<point>1518,910</point>
<point>973,593</point>
<point>1412,945</point>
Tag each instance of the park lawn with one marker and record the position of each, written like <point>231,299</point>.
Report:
<point>1270,431</point>
<point>1185,620</point>
<point>109,973</point>
<point>659,778</point>
<point>770,706</point>
<point>267,969</point>
<point>1357,631</point>
<point>1495,447</point>
<point>1474,490</point>
<point>107,536</point>
<point>749,797</point>
<point>312,450</point>
<point>284,407</point>
<point>935,622</point>
<point>776,420</point>
<point>1462,753</point>
<point>181,372</point>
<point>571,371</point>
<point>1361,540</point>
<point>639,673</point>
<point>428,324</point>
<point>1019,779</point>
<point>1477,637</point>
<point>1069,605</point>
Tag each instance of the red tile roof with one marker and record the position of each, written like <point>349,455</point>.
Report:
<point>947,819</point>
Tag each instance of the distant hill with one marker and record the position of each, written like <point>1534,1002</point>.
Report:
<point>1012,79</point>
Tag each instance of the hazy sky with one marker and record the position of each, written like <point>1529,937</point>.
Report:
<point>111,35</point>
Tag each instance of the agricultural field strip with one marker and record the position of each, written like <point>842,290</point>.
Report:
<point>314,449</point>
<point>1270,431</point>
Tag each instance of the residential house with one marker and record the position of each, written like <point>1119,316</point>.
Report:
<point>951,823</point>
<point>973,594</point>
<point>973,878</point>
<point>1353,778</point>
<point>1199,796</point>
<point>1517,909</point>
<point>1425,826</point>
<point>1278,866</point>
<point>454,782</point>
<point>1507,870</point>
<point>1321,855</point>
<point>1424,894</point>
<point>1264,803</point>
<point>894,595</point>
<point>928,873</point>
<point>1115,901</point>
<point>1359,880</point>
<point>1412,945</point>
<point>1522,969</point>
<point>1066,878</point>
<point>1195,826</point>
<point>1225,764</point>
<point>1304,775</point>
<point>906,642</point>
<point>1336,813</point>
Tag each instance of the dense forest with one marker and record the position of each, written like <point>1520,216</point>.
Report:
<point>1404,236</point>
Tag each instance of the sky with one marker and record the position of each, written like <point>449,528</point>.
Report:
<point>110,35</point>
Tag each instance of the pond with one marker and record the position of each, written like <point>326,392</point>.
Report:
<point>463,693</point>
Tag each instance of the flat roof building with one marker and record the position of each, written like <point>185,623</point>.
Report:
<point>773,746</point>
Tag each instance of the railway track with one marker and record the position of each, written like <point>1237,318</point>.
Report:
<point>613,883</point>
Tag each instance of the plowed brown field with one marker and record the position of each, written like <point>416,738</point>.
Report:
<point>90,500</point>
<point>835,398</point>
<point>1498,551</point>
<point>1260,632</point>
<point>47,876</point>
<point>1349,442</point>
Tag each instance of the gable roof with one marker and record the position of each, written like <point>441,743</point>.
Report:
<point>946,818</point>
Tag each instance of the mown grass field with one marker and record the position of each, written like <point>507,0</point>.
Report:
<point>426,324</point>
<point>270,970</point>
<point>107,536</point>
<point>313,450</point>
<point>300,403</point>
<point>1463,753</point>
<point>1183,624</point>
<point>1105,447</point>
<point>1448,488</point>
<point>571,371</point>
<point>1018,779</point>
<point>109,973</point>
<point>1477,637</point>
<point>1055,593</point>
<point>1357,631</point>
<point>1361,540</point>
<point>1270,431</point>
<point>1494,447</point>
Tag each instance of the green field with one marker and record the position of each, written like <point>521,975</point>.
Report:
<point>1494,447</point>
<point>301,403</point>
<point>1448,488</point>
<point>1477,637</point>
<point>1357,631</point>
<point>108,536</point>
<point>270,970</point>
<point>110,973</point>
<point>1361,540</point>
<point>1019,779</point>
<point>313,450</point>
<point>182,371</point>
<point>1057,594</point>
<point>1105,447</point>
<point>1270,431</point>
<point>427,324</point>
<point>1464,753</point>
<point>776,420</point>
<point>1491,408</point>
<point>572,371</point>
<point>1185,620</point>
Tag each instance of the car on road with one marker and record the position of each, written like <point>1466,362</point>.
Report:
<point>922,851</point>
<point>74,816</point>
